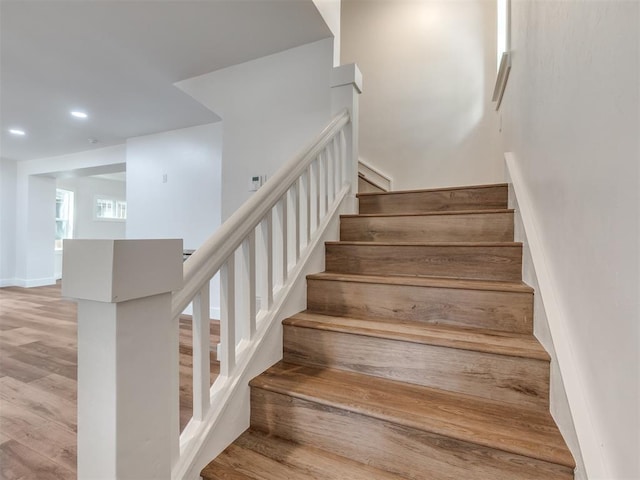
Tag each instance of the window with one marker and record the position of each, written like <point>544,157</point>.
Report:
<point>504,27</point>
<point>504,55</point>
<point>110,209</point>
<point>64,216</point>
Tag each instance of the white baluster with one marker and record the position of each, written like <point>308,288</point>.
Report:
<point>227,317</point>
<point>303,208</point>
<point>330,175</point>
<point>201,353</point>
<point>322,175</point>
<point>295,200</point>
<point>267,247</point>
<point>338,163</point>
<point>249,284</point>
<point>314,200</point>
<point>343,157</point>
<point>285,237</point>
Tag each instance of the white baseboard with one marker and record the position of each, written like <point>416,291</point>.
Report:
<point>375,176</point>
<point>570,404</point>
<point>32,282</point>
<point>7,282</point>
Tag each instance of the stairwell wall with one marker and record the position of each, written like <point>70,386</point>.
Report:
<point>571,118</point>
<point>426,114</point>
<point>270,108</point>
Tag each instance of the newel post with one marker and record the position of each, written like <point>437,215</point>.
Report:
<point>346,86</point>
<point>126,343</point>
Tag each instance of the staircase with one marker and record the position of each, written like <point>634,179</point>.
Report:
<point>415,358</point>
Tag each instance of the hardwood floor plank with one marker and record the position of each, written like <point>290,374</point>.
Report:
<point>58,385</point>
<point>20,336</point>
<point>56,443</point>
<point>11,367</point>
<point>47,405</point>
<point>19,462</point>
<point>17,419</point>
<point>48,363</point>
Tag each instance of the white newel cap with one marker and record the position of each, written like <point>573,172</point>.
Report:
<point>115,271</point>
<point>347,75</point>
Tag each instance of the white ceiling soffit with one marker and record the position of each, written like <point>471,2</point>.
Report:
<point>118,60</point>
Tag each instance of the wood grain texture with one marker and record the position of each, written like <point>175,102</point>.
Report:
<point>511,379</point>
<point>490,261</point>
<point>256,455</point>
<point>355,423</point>
<point>474,339</point>
<point>483,422</point>
<point>479,226</point>
<point>415,356</point>
<point>442,199</point>
<point>434,301</point>
<point>38,382</point>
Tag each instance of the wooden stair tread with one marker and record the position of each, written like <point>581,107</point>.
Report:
<point>255,455</point>
<point>471,419</point>
<point>466,338</point>
<point>429,214</point>
<point>427,281</point>
<point>427,244</point>
<point>442,189</point>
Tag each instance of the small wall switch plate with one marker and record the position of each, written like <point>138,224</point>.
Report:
<point>256,181</point>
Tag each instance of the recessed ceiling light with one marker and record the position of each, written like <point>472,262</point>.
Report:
<point>79,114</point>
<point>17,131</point>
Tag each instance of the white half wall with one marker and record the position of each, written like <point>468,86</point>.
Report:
<point>270,108</point>
<point>426,116</point>
<point>8,176</point>
<point>571,117</point>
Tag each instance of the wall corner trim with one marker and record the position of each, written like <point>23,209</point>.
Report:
<point>348,74</point>
<point>591,449</point>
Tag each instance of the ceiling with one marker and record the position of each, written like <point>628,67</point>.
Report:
<point>117,60</point>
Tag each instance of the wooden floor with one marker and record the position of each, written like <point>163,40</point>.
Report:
<point>38,374</point>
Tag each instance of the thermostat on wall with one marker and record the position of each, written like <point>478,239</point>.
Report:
<point>256,182</point>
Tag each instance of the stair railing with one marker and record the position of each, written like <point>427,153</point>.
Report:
<point>131,293</point>
<point>254,252</point>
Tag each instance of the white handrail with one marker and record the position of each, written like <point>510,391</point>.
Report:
<point>206,261</point>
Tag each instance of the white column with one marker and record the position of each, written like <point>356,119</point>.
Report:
<point>126,341</point>
<point>346,86</point>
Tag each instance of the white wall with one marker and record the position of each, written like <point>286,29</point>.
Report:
<point>571,118</point>
<point>187,205</point>
<point>8,172</point>
<point>35,207</point>
<point>271,108</point>
<point>330,12</point>
<point>36,231</point>
<point>85,190</point>
<point>426,116</point>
